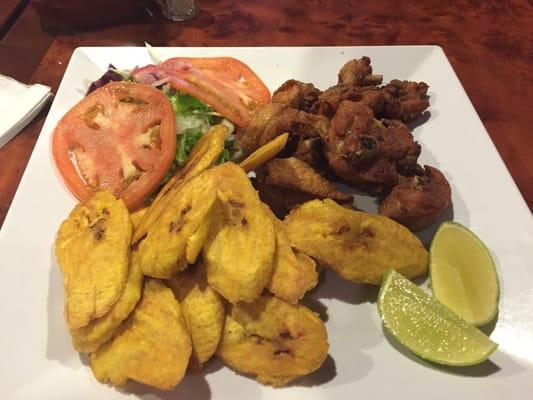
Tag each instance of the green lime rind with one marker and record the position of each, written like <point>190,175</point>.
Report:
<point>451,301</point>
<point>428,328</point>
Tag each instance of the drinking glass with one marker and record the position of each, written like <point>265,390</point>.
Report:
<point>179,10</point>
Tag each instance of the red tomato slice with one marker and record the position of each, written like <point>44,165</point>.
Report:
<point>121,137</point>
<point>226,84</point>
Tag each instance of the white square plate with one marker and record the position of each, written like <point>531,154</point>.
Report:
<point>38,361</point>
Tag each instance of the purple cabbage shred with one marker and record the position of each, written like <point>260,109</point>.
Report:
<point>109,76</point>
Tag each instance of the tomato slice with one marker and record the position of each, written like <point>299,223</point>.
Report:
<point>121,137</point>
<point>226,84</point>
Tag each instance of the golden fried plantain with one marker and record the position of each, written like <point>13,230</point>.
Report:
<point>93,252</point>
<point>153,346</point>
<point>264,153</point>
<point>360,247</point>
<point>137,216</point>
<point>293,273</point>
<point>203,310</point>
<point>203,155</point>
<point>177,236</point>
<point>273,340</point>
<point>90,337</point>
<point>240,246</point>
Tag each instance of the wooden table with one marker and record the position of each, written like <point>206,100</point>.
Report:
<point>489,44</point>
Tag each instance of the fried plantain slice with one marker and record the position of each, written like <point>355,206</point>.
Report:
<point>240,246</point>
<point>153,346</point>
<point>360,247</point>
<point>203,310</point>
<point>203,155</point>
<point>273,340</point>
<point>293,273</point>
<point>137,216</point>
<point>264,153</point>
<point>93,252</point>
<point>177,236</point>
<point>90,337</point>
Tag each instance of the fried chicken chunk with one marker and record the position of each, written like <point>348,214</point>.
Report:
<point>247,139</point>
<point>280,200</point>
<point>358,72</point>
<point>296,94</point>
<point>293,173</point>
<point>404,100</point>
<point>273,120</point>
<point>367,152</point>
<point>417,201</point>
<point>329,101</point>
<point>287,182</point>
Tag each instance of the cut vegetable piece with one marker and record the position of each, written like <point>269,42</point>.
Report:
<point>427,328</point>
<point>121,138</point>
<point>463,274</point>
<point>226,84</point>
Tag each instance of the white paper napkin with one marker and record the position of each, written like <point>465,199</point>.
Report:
<point>19,103</point>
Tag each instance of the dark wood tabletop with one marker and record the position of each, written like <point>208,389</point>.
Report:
<point>489,44</point>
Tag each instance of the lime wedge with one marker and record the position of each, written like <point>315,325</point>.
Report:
<point>428,328</point>
<point>463,275</point>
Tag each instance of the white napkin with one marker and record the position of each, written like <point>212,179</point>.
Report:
<point>19,104</point>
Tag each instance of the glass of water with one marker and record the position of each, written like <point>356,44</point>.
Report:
<point>179,10</point>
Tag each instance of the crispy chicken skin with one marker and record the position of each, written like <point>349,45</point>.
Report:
<point>328,102</point>
<point>358,72</point>
<point>280,200</point>
<point>296,94</point>
<point>355,130</point>
<point>247,139</point>
<point>298,123</point>
<point>367,152</point>
<point>273,120</point>
<point>417,201</point>
<point>287,182</point>
<point>404,100</point>
<point>293,173</point>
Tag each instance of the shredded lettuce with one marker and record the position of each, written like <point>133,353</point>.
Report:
<point>193,119</point>
<point>187,140</point>
<point>186,104</point>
